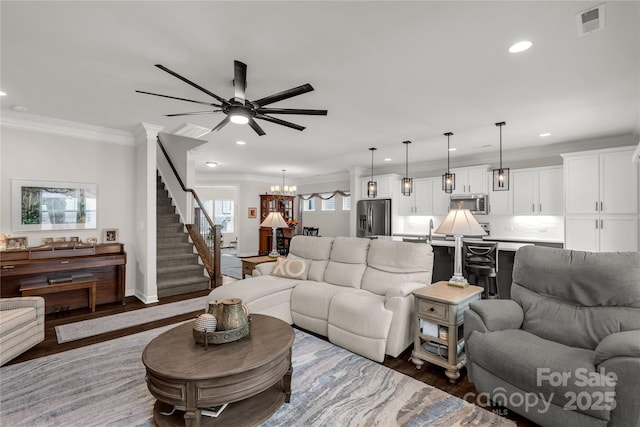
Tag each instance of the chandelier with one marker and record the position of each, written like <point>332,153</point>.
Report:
<point>284,190</point>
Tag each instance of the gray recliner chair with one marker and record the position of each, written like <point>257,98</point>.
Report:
<point>565,350</point>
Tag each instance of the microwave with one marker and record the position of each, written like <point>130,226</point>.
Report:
<point>477,203</point>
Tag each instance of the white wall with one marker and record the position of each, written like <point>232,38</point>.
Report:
<point>331,223</point>
<point>37,156</point>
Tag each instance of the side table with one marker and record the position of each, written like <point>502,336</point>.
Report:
<point>442,306</point>
<point>248,264</point>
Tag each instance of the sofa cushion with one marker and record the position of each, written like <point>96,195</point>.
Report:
<point>291,268</point>
<point>310,303</point>
<point>16,318</point>
<point>590,294</point>
<point>390,264</point>
<point>566,375</point>
<point>348,261</point>
<point>315,249</point>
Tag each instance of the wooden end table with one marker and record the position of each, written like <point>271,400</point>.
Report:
<point>252,374</point>
<point>444,306</point>
<point>248,264</point>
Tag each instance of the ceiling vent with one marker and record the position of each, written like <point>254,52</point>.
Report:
<point>590,20</point>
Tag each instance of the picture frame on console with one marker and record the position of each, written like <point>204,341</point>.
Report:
<point>110,235</point>
<point>17,243</point>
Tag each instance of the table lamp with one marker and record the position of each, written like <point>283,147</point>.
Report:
<point>460,222</point>
<point>274,220</point>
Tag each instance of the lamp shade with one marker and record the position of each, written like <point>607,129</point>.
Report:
<point>274,220</point>
<point>460,222</point>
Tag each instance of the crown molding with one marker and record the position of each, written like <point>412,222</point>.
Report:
<point>59,127</point>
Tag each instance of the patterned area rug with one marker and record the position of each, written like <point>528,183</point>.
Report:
<point>103,385</point>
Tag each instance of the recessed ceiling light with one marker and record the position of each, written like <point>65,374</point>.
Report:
<point>240,142</point>
<point>452,149</point>
<point>387,159</point>
<point>19,108</point>
<point>212,164</point>
<point>544,135</point>
<point>486,146</point>
<point>2,93</point>
<point>520,46</point>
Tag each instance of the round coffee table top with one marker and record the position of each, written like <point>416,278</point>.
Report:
<point>175,354</point>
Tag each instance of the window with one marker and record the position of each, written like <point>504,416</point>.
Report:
<point>223,215</point>
<point>329,204</point>
<point>309,205</point>
<point>346,203</point>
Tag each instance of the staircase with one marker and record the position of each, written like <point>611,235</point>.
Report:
<point>178,269</point>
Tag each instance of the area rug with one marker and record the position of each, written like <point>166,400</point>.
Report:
<point>231,265</point>
<point>103,385</point>
<point>88,328</point>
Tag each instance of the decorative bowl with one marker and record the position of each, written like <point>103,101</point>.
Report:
<point>222,337</point>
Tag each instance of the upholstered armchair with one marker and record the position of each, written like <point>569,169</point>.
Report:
<point>565,350</point>
<point>21,325</point>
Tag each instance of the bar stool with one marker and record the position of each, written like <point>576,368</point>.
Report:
<point>481,261</point>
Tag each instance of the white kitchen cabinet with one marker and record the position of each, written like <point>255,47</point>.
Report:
<point>537,191</point>
<point>419,202</point>
<point>471,180</point>
<point>602,233</point>
<point>500,202</point>
<point>386,184</point>
<point>601,182</point>
<point>440,200</point>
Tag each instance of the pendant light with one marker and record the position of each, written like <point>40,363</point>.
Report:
<point>372,186</point>
<point>501,175</point>
<point>448,179</point>
<point>407,183</point>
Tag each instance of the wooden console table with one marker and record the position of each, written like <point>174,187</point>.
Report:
<point>105,262</point>
<point>248,264</point>
<point>38,289</point>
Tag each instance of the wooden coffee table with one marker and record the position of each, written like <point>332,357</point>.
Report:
<point>252,374</point>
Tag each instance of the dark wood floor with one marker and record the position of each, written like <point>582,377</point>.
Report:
<point>429,374</point>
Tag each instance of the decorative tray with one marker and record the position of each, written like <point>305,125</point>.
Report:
<point>222,337</point>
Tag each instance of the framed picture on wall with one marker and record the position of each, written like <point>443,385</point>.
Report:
<point>110,235</point>
<point>50,205</point>
<point>253,212</point>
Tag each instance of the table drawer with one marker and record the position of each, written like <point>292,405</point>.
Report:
<point>433,310</point>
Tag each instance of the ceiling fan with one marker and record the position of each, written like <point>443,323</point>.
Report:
<point>239,109</point>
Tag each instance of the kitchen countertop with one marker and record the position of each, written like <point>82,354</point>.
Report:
<point>502,246</point>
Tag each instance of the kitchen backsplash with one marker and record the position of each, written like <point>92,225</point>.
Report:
<point>539,227</point>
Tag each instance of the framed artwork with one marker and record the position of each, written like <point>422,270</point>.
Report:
<point>253,212</point>
<point>14,243</point>
<point>92,241</point>
<point>47,241</point>
<point>74,239</point>
<point>110,235</point>
<point>48,205</point>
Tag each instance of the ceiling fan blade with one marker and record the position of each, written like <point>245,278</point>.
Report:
<point>195,113</point>
<point>189,82</point>
<point>255,126</point>
<point>284,95</point>
<point>221,124</point>
<point>292,111</point>
<point>179,99</point>
<point>239,80</point>
<point>279,121</point>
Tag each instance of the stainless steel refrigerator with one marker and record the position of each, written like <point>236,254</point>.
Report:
<point>374,217</point>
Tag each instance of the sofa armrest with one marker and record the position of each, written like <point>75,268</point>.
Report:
<point>403,290</point>
<point>620,344</point>
<point>263,269</point>
<point>497,315</point>
<point>22,302</point>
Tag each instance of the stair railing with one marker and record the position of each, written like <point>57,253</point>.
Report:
<point>204,233</point>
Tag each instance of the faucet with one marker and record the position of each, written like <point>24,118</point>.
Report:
<point>430,229</point>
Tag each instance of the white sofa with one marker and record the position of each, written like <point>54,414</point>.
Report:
<point>357,292</point>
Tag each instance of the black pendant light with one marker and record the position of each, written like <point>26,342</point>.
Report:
<point>372,186</point>
<point>407,183</point>
<point>448,179</point>
<point>501,175</point>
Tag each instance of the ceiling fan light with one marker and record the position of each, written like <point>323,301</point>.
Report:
<point>239,119</point>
